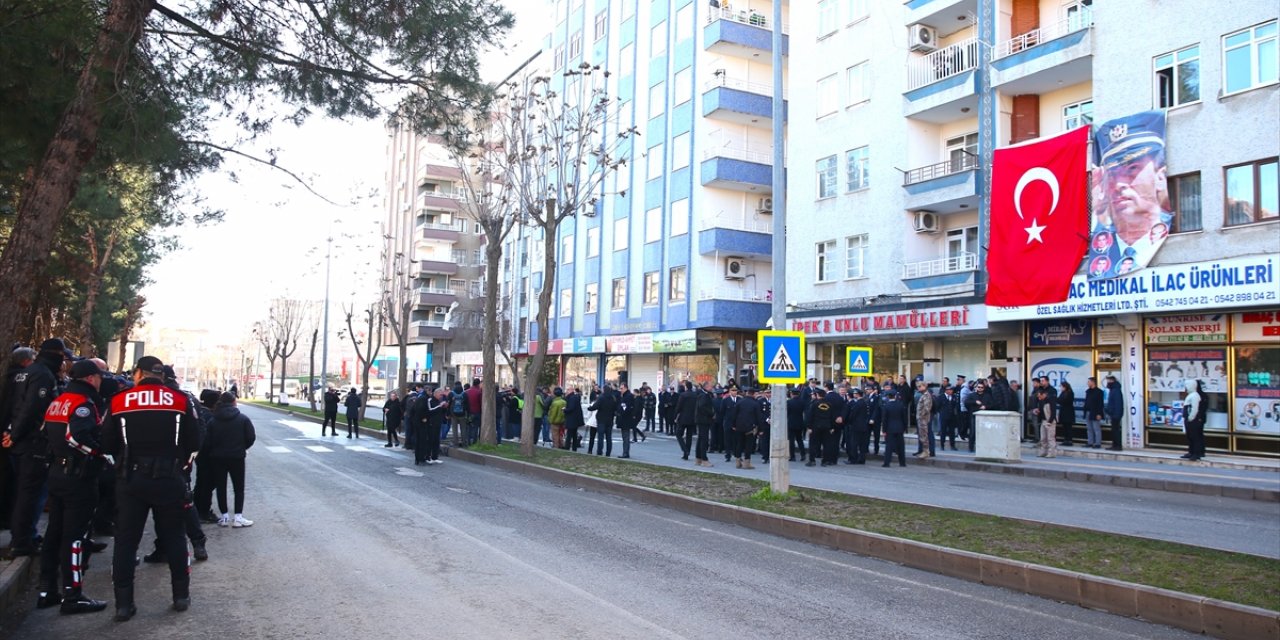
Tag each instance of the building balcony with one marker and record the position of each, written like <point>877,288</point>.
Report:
<point>434,297</point>
<point>738,165</point>
<point>440,201</point>
<point>433,173</point>
<point>736,294</point>
<point>947,16</point>
<point>1055,55</point>
<point>419,329</point>
<point>434,267</point>
<point>740,33</point>
<point>740,102</point>
<point>435,231</point>
<point>942,86</point>
<point>737,236</point>
<point>952,275</point>
<point>944,187</point>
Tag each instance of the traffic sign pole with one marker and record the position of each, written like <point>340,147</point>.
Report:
<point>779,445</point>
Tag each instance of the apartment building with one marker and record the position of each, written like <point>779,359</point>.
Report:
<point>903,107</point>
<point>669,279</point>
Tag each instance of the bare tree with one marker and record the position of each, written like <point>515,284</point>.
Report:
<point>285,326</point>
<point>375,322</point>
<point>398,300</point>
<point>263,333</point>
<point>313,323</point>
<point>557,152</point>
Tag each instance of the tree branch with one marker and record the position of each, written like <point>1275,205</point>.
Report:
<point>269,163</point>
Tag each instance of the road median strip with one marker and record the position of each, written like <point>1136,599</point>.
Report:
<point>1221,593</point>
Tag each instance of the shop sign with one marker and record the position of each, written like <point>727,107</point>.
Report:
<point>631,343</point>
<point>1073,367</point>
<point>466,358</point>
<point>1236,282</point>
<point>675,341</point>
<point>1256,326</point>
<point>1061,333</point>
<point>1170,369</point>
<point>1109,331</point>
<point>595,344</point>
<point>1187,329</point>
<point>894,322</point>
<point>554,347</point>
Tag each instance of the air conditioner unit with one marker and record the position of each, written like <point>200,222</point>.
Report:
<point>925,222</point>
<point>734,268</point>
<point>765,205</point>
<point>923,38</point>
<point>442,310</point>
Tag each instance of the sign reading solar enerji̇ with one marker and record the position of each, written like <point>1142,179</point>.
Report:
<point>781,357</point>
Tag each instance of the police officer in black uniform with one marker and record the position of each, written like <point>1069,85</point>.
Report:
<point>153,432</point>
<point>38,384</point>
<point>72,424</point>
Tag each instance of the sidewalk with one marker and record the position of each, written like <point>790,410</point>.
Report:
<point>1102,503</point>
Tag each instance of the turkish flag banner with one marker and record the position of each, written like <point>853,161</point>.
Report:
<point>1039,219</point>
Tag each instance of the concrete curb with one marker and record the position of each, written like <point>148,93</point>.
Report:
<point>1217,462</point>
<point>1184,611</point>
<point>13,579</point>
<point>1157,484</point>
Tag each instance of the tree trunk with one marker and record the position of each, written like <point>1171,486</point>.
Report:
<point>488,341</point>
<point>130,319</point>
<point>311,371</point>
<point>98,271</point>
<point>53,183</point>
<point>527,447</point>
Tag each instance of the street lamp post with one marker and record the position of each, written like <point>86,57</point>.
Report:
<point>779,472</point>
<point>324,341</point>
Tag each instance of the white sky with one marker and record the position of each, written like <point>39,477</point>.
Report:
<point>271,242</point>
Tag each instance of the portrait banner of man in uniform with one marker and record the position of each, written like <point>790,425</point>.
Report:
<point>1131,211</point>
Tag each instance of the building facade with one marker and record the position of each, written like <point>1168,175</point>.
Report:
<point>669,279</point>
<point>909,102</point>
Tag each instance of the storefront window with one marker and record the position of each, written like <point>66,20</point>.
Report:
<point>580,371</point>
<point>696,367</point>
<point>1167,373</point>
<point>1257,401</point>
<point>614,365</point>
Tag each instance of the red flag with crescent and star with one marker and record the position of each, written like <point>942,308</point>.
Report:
<point>1039,219</point>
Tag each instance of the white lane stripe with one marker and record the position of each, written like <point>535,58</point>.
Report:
<point>277,449</point>
<point>319,449</point>
<point>358,448</point>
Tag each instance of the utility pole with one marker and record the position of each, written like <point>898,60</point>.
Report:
<point>779,471</point>
<point>324,350</point>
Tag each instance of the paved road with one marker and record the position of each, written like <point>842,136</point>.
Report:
<point>353,541</point>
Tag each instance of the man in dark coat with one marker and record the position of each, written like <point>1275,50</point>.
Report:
<point>947,408</point>
<point>704,415</point>
<point>979,400</point>
<point>573,419</point>
<point>606,408</point>
<point>857,427</point>
<point>331,401</point>
<point>28,445</point>
<point>893,413</point>
<point>629,414</point>
<point>1115,411</point>
<point>744,418</point>
<point>825,418</point>
<point>686,418</point>
<point>795,424</point>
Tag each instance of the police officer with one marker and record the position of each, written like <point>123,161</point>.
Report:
<point>72,424</point>
<point>153,432</point>
<point>38,384</point>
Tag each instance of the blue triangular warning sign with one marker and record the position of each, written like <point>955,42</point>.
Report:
<point>859,364</point>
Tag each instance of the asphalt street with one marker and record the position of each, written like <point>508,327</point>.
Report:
<point>351,540</point>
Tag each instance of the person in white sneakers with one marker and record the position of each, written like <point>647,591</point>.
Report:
<point>229,437</point>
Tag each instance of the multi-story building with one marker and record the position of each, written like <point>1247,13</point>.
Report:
<point>887,236</point>
<point>434,257</point>
<point>670,278</point>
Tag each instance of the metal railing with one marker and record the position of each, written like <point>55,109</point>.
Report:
<point>943,63</point>
<point>1082,19</point>
<point>436,291</point>
<point>738,148</point>
<point>965,162</point>
<point>738,224</point>
<point>732,293</point>
<point>963,262</point>
<point>439,227</point>
<point>760,88</point>
<point>744,16</point>
<point>432,324</point>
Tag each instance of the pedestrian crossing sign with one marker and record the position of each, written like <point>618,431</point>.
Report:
<point>781,357</point>
<point>857,361</point>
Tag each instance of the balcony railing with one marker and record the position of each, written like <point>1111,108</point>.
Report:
<point>956,264</point>
<point>943,63</point>
<point>753,18</point>
<point>738,148</point>
<point>1080,20</point>
<point>431,324</point>
<point>437,291</point>
<point>738,223</point>
<point>759,88</point>
<point>731,293</point>
<point>965,162</point>
<point>439,226</point>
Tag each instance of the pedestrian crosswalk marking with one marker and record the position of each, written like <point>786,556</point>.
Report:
<point>275,449</point>
<point>358,448</point>
<point>781,362</point>
<point>319,449</point>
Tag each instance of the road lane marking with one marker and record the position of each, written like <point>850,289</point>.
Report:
<point>277,449</point>
<point>406,471</point>
<point>319,449</point>
<point>358,448</point>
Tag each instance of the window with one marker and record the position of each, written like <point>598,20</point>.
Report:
<point>593,242</point>
<point>657,99</point>
<point>1251,192</point>
<point>658,39</point>
<point>857,9</point>
<point>679,217</point>
<point>857,173</point>
<point>826,254</point>
<point>619,293</point>
<point>826,17</point>
<point>676,285</point>
<point>654,162</point>
<point>684,23</point>
<point>826,169</point>
<point>680,151</point>
<point>626,9</point>
<point>602,25</point>
<point>856,76</point>
<point>1184,195</point>
<point>575,45</point>
<point>960,244</point>
<point>651,287</point>
<point>623,174</point>
<point>566,249</point>
<point>962,152</point>
<point>621,231</point>
<point>1178,77</point>
<point>682,85</point>
<point>653,225</point>
<point>1251,58</point>
<point>625,113</point>
<point>1079,14</point>
<point>1077,115</point>
<point>626,61</point>
<point>558,61</point>
<point>524,291</point>
<point>855,256</point>
<point>591,298</point>
<point>566,303</point>
<point>828,95</point>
